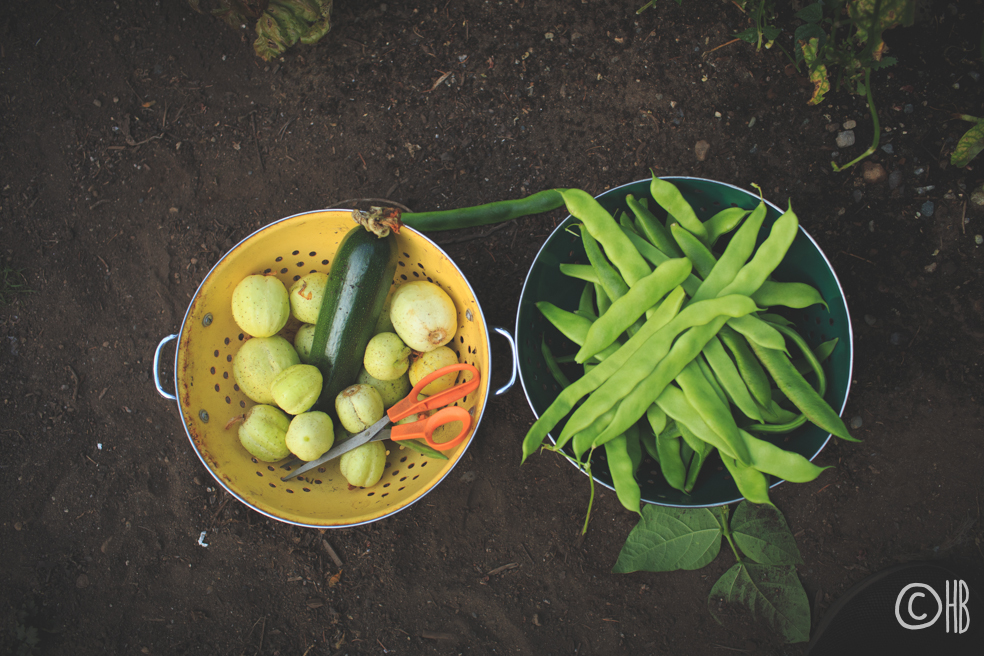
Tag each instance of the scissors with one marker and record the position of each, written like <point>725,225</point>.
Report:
<point>422,428</point>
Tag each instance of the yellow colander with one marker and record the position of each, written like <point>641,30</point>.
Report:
<point>208,397</point>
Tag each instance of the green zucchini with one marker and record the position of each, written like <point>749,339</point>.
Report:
<point>358,283</point>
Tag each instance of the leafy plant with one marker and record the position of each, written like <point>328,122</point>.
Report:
<point>279,23</point>
<point>970,144</point>
<point>762,33</point>
<point>845,38</point>
<point>763,577</point>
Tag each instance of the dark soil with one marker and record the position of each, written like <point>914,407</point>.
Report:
<point>141,141</point>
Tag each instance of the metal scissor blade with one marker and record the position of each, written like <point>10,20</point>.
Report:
<point>371,434</point>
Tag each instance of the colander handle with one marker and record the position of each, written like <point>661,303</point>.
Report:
<point>515,360</point>
<point>157,370</point>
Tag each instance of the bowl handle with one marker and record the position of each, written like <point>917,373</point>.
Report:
<point>157,371</point>
<point>515,360</point>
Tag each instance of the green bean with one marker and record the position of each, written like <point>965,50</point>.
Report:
<point>625,311</point>
<point>802,395</point>
<point>730,378</point>
<point>626,222</point>
<point>670,199</point>
<point>623,473</point>
<point>716,414</point>
<point>808,355</point>
<point>767,257</point>
<point>774,318</point>
<point>657,419</point>
<point>552,365</point>
<point>651,228</point>
<point>571,325</point>
<point>752,484</point>
<point>598,375</point>
<point>634,405</point>
<point>583,272</point>
<point>777,428</point>
<point>607,232</point>
<point>796,295</point>
<point>675,404</point>
<point>657,257</point>
<point>693,248</point>
<point>712,380</point>
<point>758,331</point>
<point>776,414</point>
<point>583,441</point>
<point>821,353</point>
<point>670,460</point>
<point>722,223</point>
<point>704,315</point>
<point>735,256</point>
<point>751,369</point>
<point>469,217</point>
<point>813,366</point>
<point>608,277</point>
<point>787,465</point>
<point>585,304</point>
<point>602,299</point>
<point>701,451</point>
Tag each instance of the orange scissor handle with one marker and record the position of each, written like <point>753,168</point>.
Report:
<point>425,428</point>
<point>411,406</point>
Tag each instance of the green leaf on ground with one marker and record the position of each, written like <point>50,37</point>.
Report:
<point>773,593</point>
<point>667,539</point>
<point>761,532</point>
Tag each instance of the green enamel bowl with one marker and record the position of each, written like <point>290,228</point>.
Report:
<point>804,262</point>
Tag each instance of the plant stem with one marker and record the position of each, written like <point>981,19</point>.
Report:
<point>726,530</point>
<point>587,515</point>
<point>874,120</point>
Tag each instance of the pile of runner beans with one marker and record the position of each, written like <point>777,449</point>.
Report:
<point>686,358</point>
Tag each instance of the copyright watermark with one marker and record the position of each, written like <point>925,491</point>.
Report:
<point>912,604</point>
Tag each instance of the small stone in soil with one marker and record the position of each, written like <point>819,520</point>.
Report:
<point>856,422</point>
<point>850,124</point>
<point>845,138</point>
<point>928,208</point>
<point>873,173</point>
<point>701,149</point>
<point>870,320</point>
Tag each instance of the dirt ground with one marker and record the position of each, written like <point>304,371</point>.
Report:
<point>141,141</point>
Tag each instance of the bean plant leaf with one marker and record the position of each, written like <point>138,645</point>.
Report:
<point>667,539</point>
<point>811,13</point>
<point>969,146</point>
<point>761,532</point>
<point>818,72</point>
<point>872,17</point>
<point>773,593</point>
